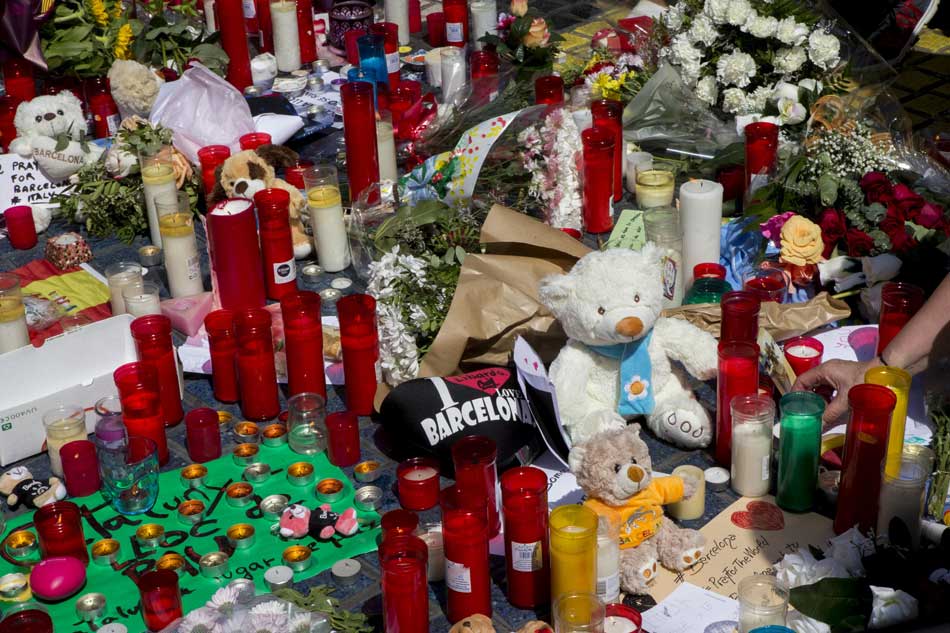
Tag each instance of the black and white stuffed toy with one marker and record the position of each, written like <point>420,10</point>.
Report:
<point>19,487</point>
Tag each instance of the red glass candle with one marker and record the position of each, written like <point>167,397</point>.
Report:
<point>865,448</point>
<point>803,353</point>
<point>740,316</point>
<point>343,438</point>
<point>104,111</point>
<point>607,113</point>
<point>59,529</point>
<point>303,335</point>
<point>222,340</point>
<point>456,22</point>
<point>435,28</point>
<point>8,131</point>
<point>265,26</point>
<point>254,140</point>
<point>211,157</point>
<point>161,598</point>
<point>390,33</point>
<point>465,539</point>
<point>203,435</point>
<point>598,179</point>
<point>769,284</point>
<point>230,14</point>
<point>484,71</point>
<point>403,561</point>
<point>18,79</point>
<point>352,49</point>
<point>476,473</point>
<point>294,175</point>
<point>415,16</point>
<point>899,303</point>
<point>153,341</point>
<point>142,405</point>
<point>277,246</point>
<point>549,90</point>
<point>236,255</point>
<point>306,38</point>
<point>399,522</point>
<point>362,158</point>
<point>257,374</point>
<point>761,153</point>
<point>524,496</point>
<point>418,483</point>
<point>732,179</point>
<point>360,342</point>
<point>709,270</point>
<point>80,468</point>
<point>20,227</point>
<point>738,376</point>
<point>27,617</point>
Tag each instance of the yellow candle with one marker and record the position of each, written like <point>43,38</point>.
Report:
<point>573,550</point>
<point>898,381</point>
<point>654,188</point>
<point>329,227</point>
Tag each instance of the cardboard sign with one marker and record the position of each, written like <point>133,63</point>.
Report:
<point>747,538</point>
<point>22,182</point>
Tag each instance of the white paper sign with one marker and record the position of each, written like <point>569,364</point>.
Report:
<point>692,609</point>
<point>22,182</point>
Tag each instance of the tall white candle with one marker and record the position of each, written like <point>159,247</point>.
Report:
<point>608,563</point>
<point>701,217</point>
<point>453,72</point>
<point>386,148</point>
<point>329,229</point>
<point>13,331</point>
<point>181,255</point>
<point>119,277</point>
<point>283,15</point>
<point>159,185</point>
<point>142,300</point>
<point>484,20</point>
<point>211,25</point>
<point>751,458</point>
<point>397,11</point>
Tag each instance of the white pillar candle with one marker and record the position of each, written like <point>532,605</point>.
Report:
<point>13,331</point>
<point>484,20</point>
<point>453,72</point>
<point>181,255</point>
<point>211,25</point>
<point>701,217</point>
<point>751,458</point>
<point>386,148</point>
<point>637,162</point>
<point>283,15</point>
<point>434,67</point>
<point>120,276</point>
<point>693,507</point>
<point>608,563</point>
<point>142,300</point>
<point>902,497</point>
<point>329,229</point>
<point>397,12</point>
<point>158,180</point>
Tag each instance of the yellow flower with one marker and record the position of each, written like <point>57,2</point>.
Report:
<point>98,10</point>
<point>607,87</point>
<point>117,9</point>
<point>801,241</point>
<point>123,41</point>
<point>519,7</point>
<point>538,35</point>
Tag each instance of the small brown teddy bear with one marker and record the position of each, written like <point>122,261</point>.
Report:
<point>479,623</point>
<point>19,487</point>
<point>614,469</point>
<point>245,173</point>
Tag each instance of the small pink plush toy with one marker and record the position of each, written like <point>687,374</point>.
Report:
<point>298,521</point>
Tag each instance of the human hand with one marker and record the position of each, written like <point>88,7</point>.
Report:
<point>838,374</point>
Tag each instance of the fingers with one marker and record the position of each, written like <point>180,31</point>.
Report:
<point>836,409</point>
<point>815,377</point>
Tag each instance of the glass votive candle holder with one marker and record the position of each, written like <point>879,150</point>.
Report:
<point>161,599</point>
<point>578,613</point>
<point>63,425</point>
<point>398,522</point>
<point>343,438</point>
<point>803,353</point>
<point>762,602</point>
<point>769,284</point>
<point>119,276</point>
<point>418,483</point>
<point>142,300</point>
<point>654,188</point>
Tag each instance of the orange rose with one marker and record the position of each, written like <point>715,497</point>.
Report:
<point>182,168</point>
<point>801,241</point>
<point>538,35</point>
<point>519,7</point>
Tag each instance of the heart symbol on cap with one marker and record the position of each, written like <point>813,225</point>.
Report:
<point>761,515</point>
<point>487,380</point>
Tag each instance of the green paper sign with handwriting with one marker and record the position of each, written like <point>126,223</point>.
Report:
<point>629,231</point>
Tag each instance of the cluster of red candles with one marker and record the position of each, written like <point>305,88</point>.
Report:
<point>738,363</point>
<point>470,518</point>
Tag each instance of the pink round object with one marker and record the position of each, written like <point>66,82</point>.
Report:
<point>57,578</point>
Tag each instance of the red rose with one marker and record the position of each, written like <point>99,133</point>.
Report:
<point>909,202</point>
<point>930,216</point>
<point>901,241</point>
<point>876,187</point>
<point>833,228</point>
<point>893,220</point>
<point>859,243</point>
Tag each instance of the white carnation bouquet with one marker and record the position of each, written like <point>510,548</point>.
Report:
<point>753,59</point>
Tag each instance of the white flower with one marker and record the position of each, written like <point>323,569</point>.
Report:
<point>891,607</point>
<point>760,26</point>
<point>784,90</point>
<point>674,17</point>
<point>637,389</point>
<point>265,623</point>
<point>811,85</point>
<point>203,620</point>
<point>271,607</point>
<point>739,12</point>
<point>735,69</point>
<point>717,10</point>
<point>690,72</point>
<point>823,49</point>
<point>224,600</point>
<point>734,101</point>
<point>682,51</point>
<point>119,162</point>
<point>791,112</point>
<point>848,548</point>
<point>801,623</point>
<point>789,60</point>
<point>707,90</point>
<point>703,31</point>
<point>759,98</point>
<point>299,624</point>
<point>790,32</point>
<point>801,568</point>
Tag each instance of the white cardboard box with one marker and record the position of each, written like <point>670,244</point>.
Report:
<point>74,368</point>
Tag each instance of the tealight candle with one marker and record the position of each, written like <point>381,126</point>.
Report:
<point>298,557</point>
<point>654,188</point>
<point>241,535</point>
<point>247,432</point>
<point>20,544</point>
<point>300,473</point>
<point>150,535</point>
<point>274,435</point>
<point>245,454</point>
<point>239,494</point>
<point>418,483</point>
<point>193,476</point>
<point>214,564</point>
<point>105,551</point>
<point>171,561</point>
<point>191,511</point>
<point>13,330</point>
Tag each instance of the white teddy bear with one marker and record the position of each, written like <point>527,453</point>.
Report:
<point>616,363</point>
<point>51,129</point>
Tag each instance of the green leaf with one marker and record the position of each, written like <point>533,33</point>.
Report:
<point>920,233</point>
<point>828,188</point>
<point>460,254</point>
<point>62,142</point>
<point>834,601</point>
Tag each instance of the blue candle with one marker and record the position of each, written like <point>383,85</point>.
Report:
<point>373,57</point>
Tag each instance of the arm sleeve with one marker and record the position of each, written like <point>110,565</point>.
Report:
<point>670,489</point>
